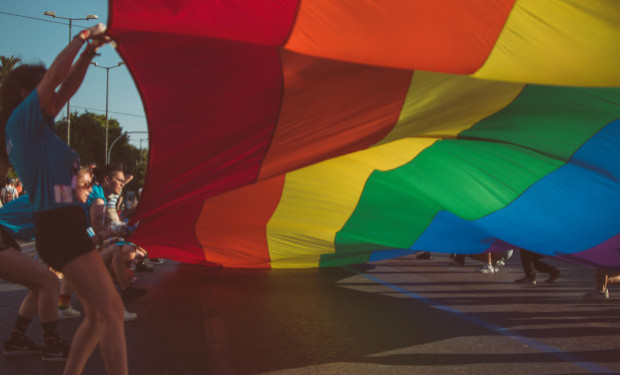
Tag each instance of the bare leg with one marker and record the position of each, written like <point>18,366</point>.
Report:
<point>21,269</point>
<point>604,278</point>
<point>484,257</point>
<point>601,279</point>
<point>113,256</point>
<point>613,278</point>
<point>104,310</point>
<point>65,288</point>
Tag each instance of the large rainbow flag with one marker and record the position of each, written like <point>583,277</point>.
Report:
<point>307,133</point>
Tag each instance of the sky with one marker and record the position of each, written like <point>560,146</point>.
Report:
<point>26,33</point>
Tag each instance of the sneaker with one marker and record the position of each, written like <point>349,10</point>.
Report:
<point>500,263</point>
<point>68,313</point>
<point>22,346</point>
<point>553,277</point>
<point>526,280</point>
<point>141,267</point>
<point>57,352</point>
<point>597,295</point>
<point>487,268</point>
<point>132,292</point>
<point>129,316</point>
<point>154,261</point>
<point>507,254</point>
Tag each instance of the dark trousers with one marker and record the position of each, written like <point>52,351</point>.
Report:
<point>531,263</point>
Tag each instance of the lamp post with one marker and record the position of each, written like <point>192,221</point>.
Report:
<point>107,81</point>
<point>121,136</point>
<point>88,17</point>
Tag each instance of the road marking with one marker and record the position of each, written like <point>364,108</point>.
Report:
<point>540,346</point>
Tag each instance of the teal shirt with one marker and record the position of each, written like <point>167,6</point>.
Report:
<point>45,164</point>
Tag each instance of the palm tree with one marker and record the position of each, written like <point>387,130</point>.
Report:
<point>8,63</point>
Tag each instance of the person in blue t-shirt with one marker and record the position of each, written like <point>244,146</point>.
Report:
<point>111,181</point>
<point>47,166</point>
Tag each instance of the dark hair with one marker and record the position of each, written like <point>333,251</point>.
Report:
<point>107,170</point>
<point>25,77</point>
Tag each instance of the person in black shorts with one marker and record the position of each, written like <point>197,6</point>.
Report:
<point>47,167</point>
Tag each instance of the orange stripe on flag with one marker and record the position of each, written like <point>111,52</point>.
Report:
<point>233,224</point>
<point>452,36</point>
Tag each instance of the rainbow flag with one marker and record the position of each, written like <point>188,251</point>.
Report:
<point>318,133</point>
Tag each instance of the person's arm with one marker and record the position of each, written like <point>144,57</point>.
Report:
<point>74,79</point>
<point>97,215</point>
<point>63,71</point>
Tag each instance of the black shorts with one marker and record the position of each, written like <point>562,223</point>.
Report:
<point>61,235</point>
<point>7,241</point>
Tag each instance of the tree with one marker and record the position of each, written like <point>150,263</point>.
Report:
<point>88,139</point>
<point>8,64</point>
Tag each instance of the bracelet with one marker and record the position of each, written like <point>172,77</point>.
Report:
<point>83,35</point>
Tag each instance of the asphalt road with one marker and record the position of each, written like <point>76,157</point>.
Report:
<point>402,316</point>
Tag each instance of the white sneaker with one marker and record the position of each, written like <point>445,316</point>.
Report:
<point>154,261</point>
<point>68,313</point>
<point>487,268</point>
<point>500,263</point>
<point>129,316</point>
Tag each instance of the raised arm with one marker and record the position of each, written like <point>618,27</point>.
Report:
<point>64,72</point>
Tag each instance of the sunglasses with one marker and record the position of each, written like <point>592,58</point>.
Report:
<point>87,185</point>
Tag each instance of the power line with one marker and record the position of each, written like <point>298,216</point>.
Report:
<point>41,19</point>
<point>103,111</point>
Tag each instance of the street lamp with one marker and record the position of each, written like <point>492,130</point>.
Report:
<point>88,17</point>
<point>107,81</point>
<point>121,136</point>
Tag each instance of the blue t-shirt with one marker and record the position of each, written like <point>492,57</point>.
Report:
<point>16,218</point>
<point>95,193</point>
<point>44,163</point>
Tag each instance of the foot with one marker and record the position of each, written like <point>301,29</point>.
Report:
<point>597,295</point>
<point>132,292</point>
<point>553,277</point>
<point>154,261</point>
<point>129,316</point>
<point>528,280</point>
<point>20,346</point>
<point>141,267</point>
<point>55,352</point>
<point>68,313</point>
<point>487,268</point>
